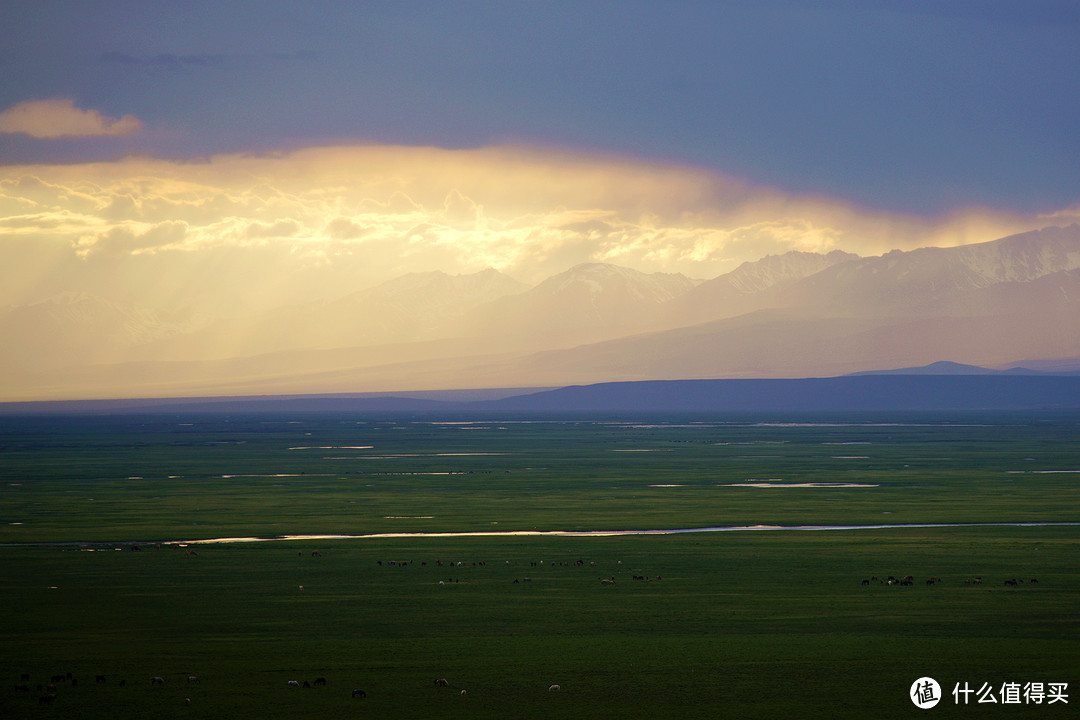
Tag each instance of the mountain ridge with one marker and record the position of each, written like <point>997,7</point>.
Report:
<point>869,393</point>
<point>790,315</point>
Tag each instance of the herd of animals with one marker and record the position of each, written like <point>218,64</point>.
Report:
<point>48,691</point>
<point>909,580</point>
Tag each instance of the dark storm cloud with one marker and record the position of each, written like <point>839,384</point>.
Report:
<point>163,59</point>
<point>199,60</point>
<point>918,106</point>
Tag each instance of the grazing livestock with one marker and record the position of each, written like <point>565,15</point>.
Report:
<point>46,699</point>
<point>293,683</point>
<point>22,688</point>
<point>359,693</point>
<point>320,682</point>
<point>157,680</point>
<point>100,679</point>
<point>554,688</point>
<point>193,679</point>
<point>442,682</point>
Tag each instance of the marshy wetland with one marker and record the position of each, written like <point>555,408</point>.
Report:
<point>507,556</point>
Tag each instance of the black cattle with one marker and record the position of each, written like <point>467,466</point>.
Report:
<point>359,693</point>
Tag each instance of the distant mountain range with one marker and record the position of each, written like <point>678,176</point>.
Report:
<point>938,388</point>
<point>1001,304</point>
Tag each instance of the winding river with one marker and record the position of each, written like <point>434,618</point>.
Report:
<point>614,533</point>
<point>541,533</point>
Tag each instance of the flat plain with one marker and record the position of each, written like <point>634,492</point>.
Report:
<point>447,581</point>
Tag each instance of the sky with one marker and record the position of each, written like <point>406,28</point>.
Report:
<point>185,153</point>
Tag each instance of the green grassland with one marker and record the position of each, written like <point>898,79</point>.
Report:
<point>743,624</point>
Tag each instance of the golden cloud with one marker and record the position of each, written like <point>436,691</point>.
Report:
<point>60,118</point>
<point>349,217</point>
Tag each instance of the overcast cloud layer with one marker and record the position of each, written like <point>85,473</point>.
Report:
<point>915,107</point>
